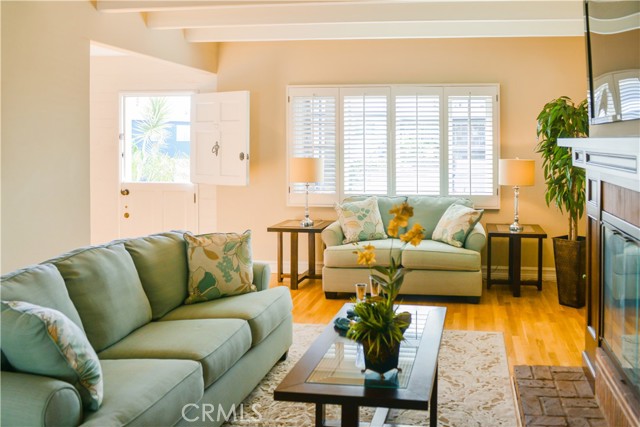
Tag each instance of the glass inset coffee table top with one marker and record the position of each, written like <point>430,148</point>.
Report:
<point>343,362</point>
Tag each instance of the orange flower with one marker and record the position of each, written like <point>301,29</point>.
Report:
<point>392,230</point>
<point>413,236</point>
<point>367,256</point>
<point>401,214</point>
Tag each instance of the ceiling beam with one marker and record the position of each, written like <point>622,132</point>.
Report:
<point>359,13</point>
<point>126,6</point>
<point>343,31</point>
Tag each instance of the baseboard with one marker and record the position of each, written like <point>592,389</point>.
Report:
<point>526,273</point>
<point>497,272</point>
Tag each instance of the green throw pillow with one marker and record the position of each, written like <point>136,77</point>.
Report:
<point>220,265</point>
<point>43,341</point>
<point>360,220</point>
<point>455,224</point>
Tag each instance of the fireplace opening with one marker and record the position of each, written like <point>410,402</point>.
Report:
<point>621,296</point>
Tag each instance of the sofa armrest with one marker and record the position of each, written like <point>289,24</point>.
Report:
<point>34,400</point>
<point>332,235</point>
<point>476,239</point>
<point>261,275</point>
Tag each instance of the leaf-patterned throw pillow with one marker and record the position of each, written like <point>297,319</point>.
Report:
<point>43,341</point>
<point>455,224</point>
<point>220,265</point>
<point>360,220</point>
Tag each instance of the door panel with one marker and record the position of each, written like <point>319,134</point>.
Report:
<point>220,130</point>
<point>153,208</point>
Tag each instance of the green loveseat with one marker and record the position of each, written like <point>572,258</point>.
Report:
<point>437,268</point>
<point>163,362</point>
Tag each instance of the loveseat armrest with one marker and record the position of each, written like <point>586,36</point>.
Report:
<point>34,400</point>
<point>476,239</point>
<point>261,275</point>
<point>332,235</point>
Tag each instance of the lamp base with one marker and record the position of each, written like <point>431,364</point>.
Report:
<point>307,222</point>
<point>516,228</point>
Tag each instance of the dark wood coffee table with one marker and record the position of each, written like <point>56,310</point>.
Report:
<point>330,373</point>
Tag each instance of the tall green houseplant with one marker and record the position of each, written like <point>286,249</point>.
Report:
<point>562,118</point>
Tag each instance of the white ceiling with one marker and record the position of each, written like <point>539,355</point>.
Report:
<point>268,20</point>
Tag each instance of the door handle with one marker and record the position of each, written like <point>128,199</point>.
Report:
<point>215,148</point>
<point>244,156</point>
<point>124,192</point>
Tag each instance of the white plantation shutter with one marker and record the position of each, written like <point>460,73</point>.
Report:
<point>417,141</point>
<point>313,122</point>
<point>365,140</point>
<point>397,140</point>
<point>472,144</point>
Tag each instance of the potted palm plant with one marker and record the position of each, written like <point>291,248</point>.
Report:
<point>379,327</point>
<point>562,118</point>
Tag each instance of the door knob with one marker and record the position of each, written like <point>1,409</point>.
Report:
<point>124,192</point>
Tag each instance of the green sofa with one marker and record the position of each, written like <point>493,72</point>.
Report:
<point>436,267</point>
<point>163,362</point>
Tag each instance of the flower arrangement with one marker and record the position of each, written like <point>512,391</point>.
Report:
<point>379,327</point>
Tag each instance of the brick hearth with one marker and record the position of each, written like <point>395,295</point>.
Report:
<point>556,396</point>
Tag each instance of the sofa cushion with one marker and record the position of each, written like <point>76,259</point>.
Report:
<point>220,265</point>
<point>41,285</point>
<point>264,310</point>
<point>360,220</point>
<point>427,211</point>
<point>217,344</point>
<point>344,256</point>
<point>146,392</point>
<point>105,288</point>
<point>384,206</point>
<point>43,341</point>
<point>432,255</point>
<point>455,224</point>
<point>161,261</point>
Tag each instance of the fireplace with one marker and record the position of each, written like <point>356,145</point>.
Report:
<point>621,298</point>
<point>612,350</point>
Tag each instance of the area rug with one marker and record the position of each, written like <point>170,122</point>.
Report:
<point>473,390</point>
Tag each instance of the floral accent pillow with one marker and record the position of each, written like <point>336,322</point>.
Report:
<point>220,265</point>
<point>455,224</point>
<point>360,220</point>
<point>43,341</point>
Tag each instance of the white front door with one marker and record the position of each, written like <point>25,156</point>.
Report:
<point>155,190</point>
<point>170,144</point>
<point>152,208</point>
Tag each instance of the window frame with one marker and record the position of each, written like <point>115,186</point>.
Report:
<point>125,159</point>
<point>442,90</point>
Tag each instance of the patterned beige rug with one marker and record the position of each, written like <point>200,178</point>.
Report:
<point>473,390</point>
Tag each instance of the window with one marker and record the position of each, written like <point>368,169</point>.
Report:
<point>397,140</point>
<point>156,138</point>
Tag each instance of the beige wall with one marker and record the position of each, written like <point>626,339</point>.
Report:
<point>530,71</point>
<point>45,107</point>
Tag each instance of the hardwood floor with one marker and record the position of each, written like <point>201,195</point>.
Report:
<point>537,330</point>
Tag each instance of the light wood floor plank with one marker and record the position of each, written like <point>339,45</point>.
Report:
<point>537,330</point>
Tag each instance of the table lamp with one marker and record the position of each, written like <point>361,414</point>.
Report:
<point>306,170</point>
<point>517,173</point>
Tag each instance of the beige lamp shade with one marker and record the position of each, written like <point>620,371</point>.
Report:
<point>518,172</point>
<point>306,169</point>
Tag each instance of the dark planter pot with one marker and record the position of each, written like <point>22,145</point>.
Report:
<point>570,257</point>
<point>386,360</point>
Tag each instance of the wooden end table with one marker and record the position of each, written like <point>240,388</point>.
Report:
<point>293,227</point>
<point>531,231</point>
